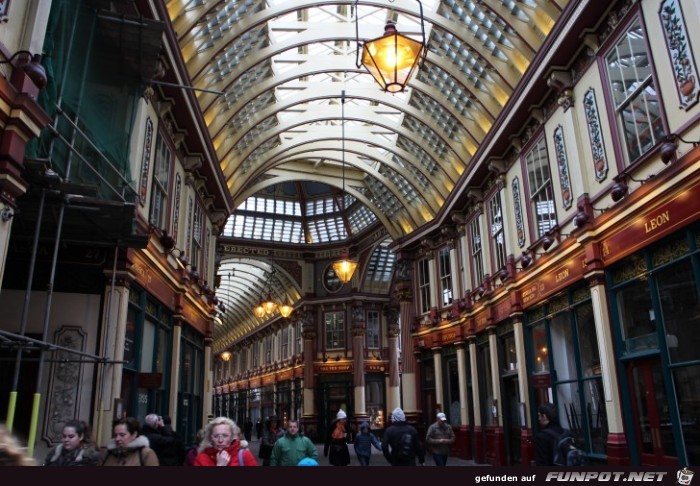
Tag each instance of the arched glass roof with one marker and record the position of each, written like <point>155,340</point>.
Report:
<point>281,66</point>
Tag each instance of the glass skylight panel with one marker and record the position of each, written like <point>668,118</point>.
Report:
<point>447,46</point>
<point>251,77</point>
<point>458,95</point>
<point>422,181</point>
<point>360,218</point>
<point>444,119</point>
<point>387,203</point>
<point>426,161</point>
<point>421,129</point>
<point>250,109</point>
<point>405,187</point>
<point>381,263</point>
<point>251,135</point>
<point>253,158</point>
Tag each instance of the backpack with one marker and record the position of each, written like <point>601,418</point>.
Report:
<point>565,451</point>
<point>404,451</point>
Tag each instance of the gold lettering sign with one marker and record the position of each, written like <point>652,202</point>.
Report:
<point>656,222</point>
<point>563,275</point>
<point>448,336</point>
<point>335,368</point>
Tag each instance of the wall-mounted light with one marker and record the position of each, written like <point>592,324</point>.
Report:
<point>31,65</point>
<point>669,147</point>
<point>392,58</point>
<point>618,190</point>
<point>547,242</point>
<point>525,260</point>
<point>167,242</point>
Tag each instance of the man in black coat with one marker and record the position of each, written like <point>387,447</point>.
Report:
<point>547,437</point>
<point>401,445</point>
<point>165,446</point>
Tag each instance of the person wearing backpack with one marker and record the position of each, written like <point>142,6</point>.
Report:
<point>401,445</point>
<point>547,439</point>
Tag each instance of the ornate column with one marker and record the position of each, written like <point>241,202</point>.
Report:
<point>527,447</point>
<point>617,447</point>
<point>404,294</point>
<point>175,367</point>
<point>393,398</point>
<point>476,403</point>
<point>437,365</point>
<point>497,446</point>
<point>308,330</point>
<point>462,445</point>
<point>359,327</point>
<point>112,345</point>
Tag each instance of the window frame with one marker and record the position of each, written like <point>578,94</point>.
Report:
<point>622,150</point>
<point>444,256</point>
<point>498,258</point>
<point>424,285</point>
<point>373,331</point>
<point>161,189</point>
<point>476,255</point>
<point>334,325</point>
<point>538,229</point>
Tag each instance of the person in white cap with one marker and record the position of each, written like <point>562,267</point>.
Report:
<point>439,438</point>
<point>336,446</point>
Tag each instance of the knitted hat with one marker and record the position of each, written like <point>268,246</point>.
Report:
<point>308,461</point>
<point>397,415</point>
<point>341,415</point>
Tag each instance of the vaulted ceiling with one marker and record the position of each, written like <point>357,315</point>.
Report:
<point>271,74</point>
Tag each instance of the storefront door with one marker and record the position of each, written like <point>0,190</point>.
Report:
<point>650,408</point>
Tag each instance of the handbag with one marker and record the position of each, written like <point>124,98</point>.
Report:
<point>265,451</point>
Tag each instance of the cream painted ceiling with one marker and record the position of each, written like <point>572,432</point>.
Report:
<point>278,68</point>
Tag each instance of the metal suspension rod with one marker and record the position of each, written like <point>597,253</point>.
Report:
<point>23,319</point>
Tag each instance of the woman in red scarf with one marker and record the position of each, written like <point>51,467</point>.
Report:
<point>222,447</point>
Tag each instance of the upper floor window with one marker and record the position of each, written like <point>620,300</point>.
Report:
<point>335,330</point>
<point>476,251</point>
<point>161,184</point>
<point>372,329</point>
<point>445,277</point>
<point>540,186</point>
<point>634,93</point>
<point>284,344</point>
<point>424,285</point>
<point>197,236</point>
<point>498,239</point>
<point>268,349</point>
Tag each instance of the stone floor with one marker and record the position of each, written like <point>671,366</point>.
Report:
<point>376,460</point>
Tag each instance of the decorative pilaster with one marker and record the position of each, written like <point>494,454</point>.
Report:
<point>394,392</point>
<point>617,447</point>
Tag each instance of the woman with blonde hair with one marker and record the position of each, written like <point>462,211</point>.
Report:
<point>222,445</point>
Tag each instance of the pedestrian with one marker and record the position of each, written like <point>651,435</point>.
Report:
<point>271,433</point>
<point>337,438</point>
<point>292,447</point>
<point>11,453</point>
<point>76,447</point>
<point>439,438</point>
<point>222,445</point>
<point>179,446</point>
<point>194,450</point>
<point>248,429</point>
<point>258,428</point>
<point>165,446</point>
<point>547,437</point>
<point>401,445</point>
<point>363,444</point>
<point>128,447</point>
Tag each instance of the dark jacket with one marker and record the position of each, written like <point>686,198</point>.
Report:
<point>336,450</point>
<point>436,432</point>
<point>85,456</point>
<point>392,438</point>
<point>365,440</point>
<point>546,444</point>
<point>166,447</point>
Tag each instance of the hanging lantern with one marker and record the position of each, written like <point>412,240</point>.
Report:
<point>259,311</point>
<point>286,310</point>
<point>226,356</point>
<point>345,268</point>
<point>392,58</point>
